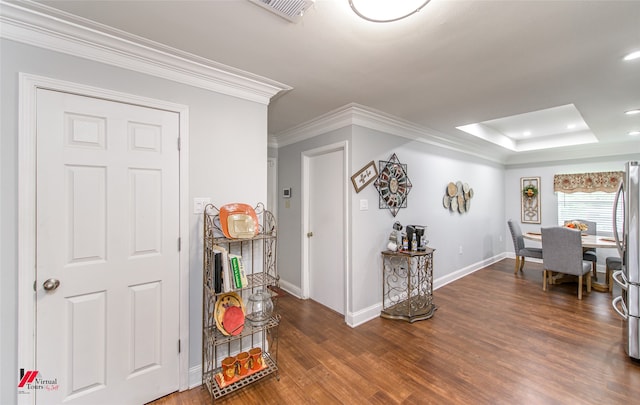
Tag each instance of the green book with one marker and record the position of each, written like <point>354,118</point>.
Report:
<point>235,269</point>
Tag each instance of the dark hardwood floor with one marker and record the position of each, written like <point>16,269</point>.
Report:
<point>496,338</point>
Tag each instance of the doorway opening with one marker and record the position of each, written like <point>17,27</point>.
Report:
<point>325,218</point>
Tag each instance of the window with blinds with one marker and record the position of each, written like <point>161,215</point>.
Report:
<point>596,206</point>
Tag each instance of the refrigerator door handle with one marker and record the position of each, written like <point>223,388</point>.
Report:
<point>614,304</point>
<point>616,277</point>
<point>619,243</point>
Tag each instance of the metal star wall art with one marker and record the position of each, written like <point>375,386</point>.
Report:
<point>393,184</point>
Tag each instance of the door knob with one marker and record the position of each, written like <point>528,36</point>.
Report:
<point>309,234</point>
<point>51,284</point>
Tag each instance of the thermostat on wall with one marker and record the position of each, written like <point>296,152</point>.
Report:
<point>286,192</point>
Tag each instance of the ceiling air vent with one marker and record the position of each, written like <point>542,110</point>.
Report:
<point>291,10</point>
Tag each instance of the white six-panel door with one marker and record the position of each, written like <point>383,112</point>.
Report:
<point>107,231</point>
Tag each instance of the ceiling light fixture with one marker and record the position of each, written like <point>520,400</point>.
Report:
<point>571,126</point>
<point>632,55</point>
<point>526,133</point>
<point>634,133</point>
<point>382,11</point>
<point>632,112</point>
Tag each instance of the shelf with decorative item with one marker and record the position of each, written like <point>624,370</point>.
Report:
<point>213,335</point>
<point>240,291</point>
<point>407,285</point>
<point>218,387</point>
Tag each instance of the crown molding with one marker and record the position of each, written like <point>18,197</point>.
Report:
<point>336,119</point>
<point>585,153</point>
<point>42,26</point>
<point>363,116</point>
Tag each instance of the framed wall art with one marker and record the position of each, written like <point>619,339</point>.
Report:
<point>530,200</point>
<point>393,184</point>
<point>364,176</point>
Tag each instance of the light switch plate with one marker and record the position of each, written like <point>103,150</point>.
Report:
<point>364,205</point>
<point>199,203</point>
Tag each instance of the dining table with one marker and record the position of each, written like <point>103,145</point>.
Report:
<point>588,241</point>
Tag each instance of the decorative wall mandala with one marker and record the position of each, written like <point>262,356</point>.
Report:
<point>457,197</point>
<point>392,184</point>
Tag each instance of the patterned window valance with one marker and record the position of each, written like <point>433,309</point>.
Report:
<point>587,182</point>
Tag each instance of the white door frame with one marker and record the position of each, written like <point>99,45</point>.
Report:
<point>272,193</point>
<point>29,84</point>
<point>306,157</point>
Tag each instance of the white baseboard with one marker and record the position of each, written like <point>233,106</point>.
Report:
<point>195,376</point>
<point>355,319</point>
<point>291,289</point>
<point>442,281</point>
<point>358,318</point>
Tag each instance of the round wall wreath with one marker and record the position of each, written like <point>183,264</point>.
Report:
<point>530,191</point>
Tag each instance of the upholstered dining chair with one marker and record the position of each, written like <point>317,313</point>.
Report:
<point>613,263</point>
<point>563,254</point>
<point>519,247</point>
<point>589,254</point>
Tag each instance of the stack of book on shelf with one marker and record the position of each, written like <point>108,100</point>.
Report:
<point>229,271</point>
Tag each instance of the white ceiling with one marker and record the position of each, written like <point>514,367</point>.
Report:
<point>456,62</point>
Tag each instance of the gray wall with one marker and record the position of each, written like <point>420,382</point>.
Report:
<point>227,160</point>
<point>548,198</point>
<point>480,232</point>
<point>290,217</point>
<point>430,169</point>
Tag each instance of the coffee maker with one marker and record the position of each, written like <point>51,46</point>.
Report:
<point>415,237</point>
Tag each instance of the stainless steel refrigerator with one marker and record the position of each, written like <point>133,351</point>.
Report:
<point>628,303</point>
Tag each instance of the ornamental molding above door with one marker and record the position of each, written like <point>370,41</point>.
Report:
<point>54,30</point>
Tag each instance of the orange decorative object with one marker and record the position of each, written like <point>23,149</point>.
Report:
<point>228,369</point>
<point>238,221</point>
<point>576,225</point>
<point>235,321</point>
<point>257,362</point>
<point>219,377</point>
<point>243,363</point>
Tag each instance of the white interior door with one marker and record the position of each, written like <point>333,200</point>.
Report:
<point>326,224</point>
<point>107,184</point>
